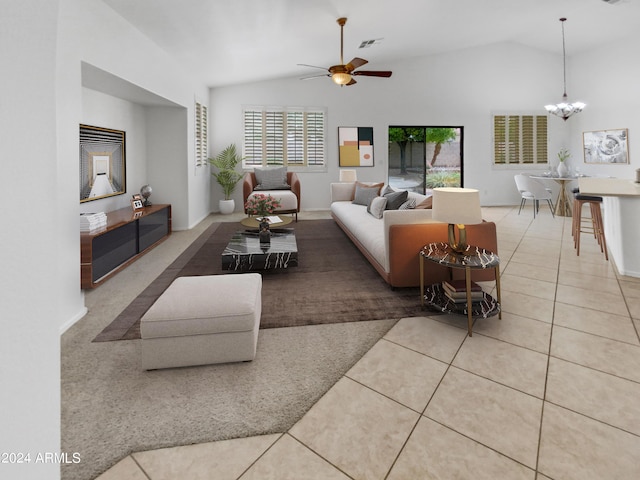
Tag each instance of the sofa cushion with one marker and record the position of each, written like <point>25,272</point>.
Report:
<point>271,178</point>
<point>259,187</point>
<point>426,203</point>
<point>395,199</point>
<point>377,206</point>
<point>365,193</point>
<point>377,186</point>
<point>408,205</point>
<point>368,230</point>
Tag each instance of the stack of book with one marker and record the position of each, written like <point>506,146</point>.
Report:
<point>456,291</point>
<point>90,222</point>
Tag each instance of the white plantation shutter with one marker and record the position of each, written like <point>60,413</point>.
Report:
<point>315,128</point>
<point>283,136</point>
<point>274,137</point>
<point>201,134</point>
<point>541,139</point>
<point>252,145</point>
<point>519,139</point>
<point>295,138</point>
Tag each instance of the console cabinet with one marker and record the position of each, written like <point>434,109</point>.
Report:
<point>127,236</point>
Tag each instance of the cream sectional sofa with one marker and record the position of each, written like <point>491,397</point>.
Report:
<point>392,244</point>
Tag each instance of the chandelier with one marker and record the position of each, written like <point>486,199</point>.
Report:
<point>564,109</point>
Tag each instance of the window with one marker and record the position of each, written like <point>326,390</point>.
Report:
<point>293,137</point>
<point>519,139</point>
<point>201,134</point>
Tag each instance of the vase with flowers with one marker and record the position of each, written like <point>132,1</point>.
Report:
<point>262,205</point>
<point>563,155</point>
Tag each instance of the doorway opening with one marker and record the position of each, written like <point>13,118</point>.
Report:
<point>424,158</point>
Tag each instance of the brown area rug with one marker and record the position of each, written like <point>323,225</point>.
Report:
<point>332,283</point>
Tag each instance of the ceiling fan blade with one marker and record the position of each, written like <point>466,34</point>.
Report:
<point>355,63</point>
<point>353,80</point>
<point>312,66</point>
<point>373,73</point>
<point>309,77</point>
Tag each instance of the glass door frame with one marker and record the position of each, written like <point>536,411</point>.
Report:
<point>422,186</point>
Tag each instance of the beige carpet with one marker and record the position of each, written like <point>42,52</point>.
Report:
<point>111,408</point>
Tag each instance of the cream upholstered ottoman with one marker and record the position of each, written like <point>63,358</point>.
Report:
<point>203,320</point>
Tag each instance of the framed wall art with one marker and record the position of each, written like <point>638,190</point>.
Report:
<point>102,163</point>
<point>355,146</point>
<point>606,146</point>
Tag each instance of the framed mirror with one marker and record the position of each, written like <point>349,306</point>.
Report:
<point>102,163</point>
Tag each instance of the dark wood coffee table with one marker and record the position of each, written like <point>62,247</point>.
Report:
<point>245,252</point>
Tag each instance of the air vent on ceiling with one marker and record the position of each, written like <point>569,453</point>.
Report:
<point>368,43</point>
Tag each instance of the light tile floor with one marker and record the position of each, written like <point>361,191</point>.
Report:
<point>549,392</point>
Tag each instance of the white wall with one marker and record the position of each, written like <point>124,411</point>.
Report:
<point>607,80</point>
<point>101,110</point>
<point>31,314</point>
<point>87,35</point>
<point>168,154</point>
<point>459,88</point>
<point>42,46</point>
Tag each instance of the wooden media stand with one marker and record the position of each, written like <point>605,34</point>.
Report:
<point>127,236</point>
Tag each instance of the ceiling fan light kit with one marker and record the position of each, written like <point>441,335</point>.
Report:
<point>341,78</point>
<point>564,109</point>
<point>343,74</point>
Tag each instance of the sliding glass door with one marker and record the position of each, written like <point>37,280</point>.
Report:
<point>423,158</point>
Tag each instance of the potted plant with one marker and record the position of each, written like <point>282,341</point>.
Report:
<point>563,170</point>
<point>226,176</point>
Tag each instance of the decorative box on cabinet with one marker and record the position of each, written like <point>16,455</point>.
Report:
<point>127,236</point>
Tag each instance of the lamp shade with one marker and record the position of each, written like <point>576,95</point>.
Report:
<point>348,176</point>
<point>341,78</point>
<point>457,205</point>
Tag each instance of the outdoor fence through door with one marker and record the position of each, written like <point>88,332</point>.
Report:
<point>424,158</point>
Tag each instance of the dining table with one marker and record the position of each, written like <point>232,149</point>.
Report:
<point>563,202</point>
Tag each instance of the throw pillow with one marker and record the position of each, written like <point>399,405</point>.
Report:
<point>281,187</point>
<point>410,204</point>
<point>387,189</point>
<point>427,203</point>
<point>395,199</point>
<point>376,186</point>
<point>376,206</point>
<point>271,178</point>
<point>364,195</point>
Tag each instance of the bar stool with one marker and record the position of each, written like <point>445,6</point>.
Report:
<point>596,227</point>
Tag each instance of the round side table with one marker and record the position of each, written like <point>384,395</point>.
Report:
<point>472,258</point>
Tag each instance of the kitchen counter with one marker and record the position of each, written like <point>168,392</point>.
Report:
<point>621,202</point>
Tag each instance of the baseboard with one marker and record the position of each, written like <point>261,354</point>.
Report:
<point>194,224</point>
<point>69,323</point>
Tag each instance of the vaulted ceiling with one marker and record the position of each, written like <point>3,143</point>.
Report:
<point>225,42</point>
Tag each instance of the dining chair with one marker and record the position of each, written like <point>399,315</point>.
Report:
<point>531,189</point>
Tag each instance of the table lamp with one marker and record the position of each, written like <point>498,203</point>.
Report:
<point>348,176</point>
<point>457,206</point>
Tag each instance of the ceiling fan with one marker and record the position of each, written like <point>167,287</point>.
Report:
<point>343,74</point>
